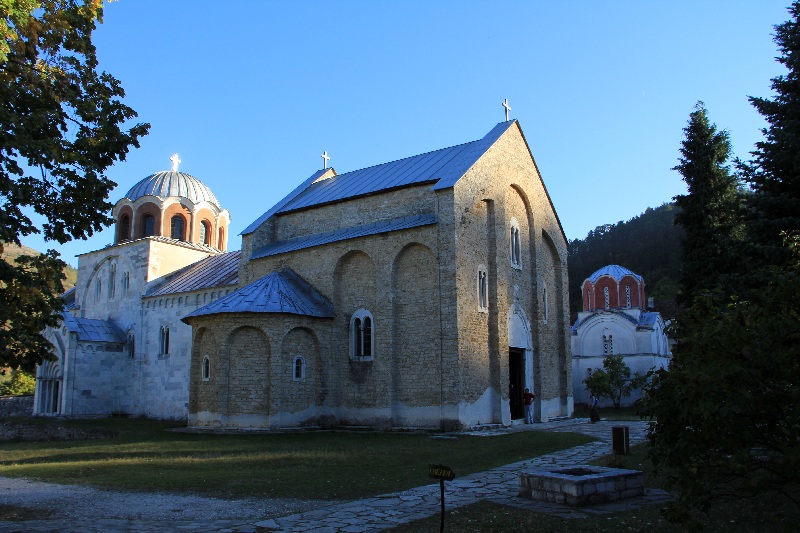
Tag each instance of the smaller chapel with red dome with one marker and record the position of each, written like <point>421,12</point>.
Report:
<point>615,321</point>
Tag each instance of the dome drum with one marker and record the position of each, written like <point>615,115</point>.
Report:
<point>613,287</point>
<point>175,205</point>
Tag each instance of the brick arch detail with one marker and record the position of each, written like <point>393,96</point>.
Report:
<point>416,333</point>
<point>147,208</point>
<point>249,363</point>
<point>124,211</point>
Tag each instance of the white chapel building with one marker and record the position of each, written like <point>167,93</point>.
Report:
<point>121,347</point>
<point>614,321</point>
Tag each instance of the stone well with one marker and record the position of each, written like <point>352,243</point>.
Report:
<point>581,485</point>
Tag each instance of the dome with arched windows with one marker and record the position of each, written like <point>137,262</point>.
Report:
<point>172,205</point>
<point>615,271</point>
<point>172,183</point>
<point>613,287</point>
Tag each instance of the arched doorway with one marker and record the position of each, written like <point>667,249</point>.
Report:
<point>520,359</point>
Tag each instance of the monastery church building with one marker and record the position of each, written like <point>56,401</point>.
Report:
<point>426,292</point>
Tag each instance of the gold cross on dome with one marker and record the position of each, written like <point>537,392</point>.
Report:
<point>175,162</point>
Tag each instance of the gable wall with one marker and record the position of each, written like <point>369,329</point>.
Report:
<point>502,185</point>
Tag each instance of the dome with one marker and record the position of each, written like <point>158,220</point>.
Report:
<point>615,271</point>
<point>172,183</point>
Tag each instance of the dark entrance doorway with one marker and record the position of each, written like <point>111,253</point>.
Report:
<point>516,385</point>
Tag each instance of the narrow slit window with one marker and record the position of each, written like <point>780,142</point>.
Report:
<point>299,369</point>
<point>483,290</point>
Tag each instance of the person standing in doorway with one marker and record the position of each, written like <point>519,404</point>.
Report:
<point>528,398</point>
<point>594,415</point>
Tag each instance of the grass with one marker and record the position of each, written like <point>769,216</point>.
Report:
<point>312,465</point>
<point>727,516</point>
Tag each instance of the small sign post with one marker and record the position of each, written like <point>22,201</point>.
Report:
<point>441,473</point>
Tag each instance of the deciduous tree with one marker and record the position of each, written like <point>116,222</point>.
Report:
<point>614,380</point>
<point>62,125</point>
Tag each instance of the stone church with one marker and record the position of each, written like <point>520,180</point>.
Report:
<point>426,292</point>
<point>615,320</point>
<point>121,347</point>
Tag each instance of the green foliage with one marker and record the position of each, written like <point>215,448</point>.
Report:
<point>711,213</point>
<point>774,173</point>
<point>60,129</point>
<point>648,244</point>
<point>10,252</point>
<point>18,383</point>
<point>726,414</point>
<point>614,380</point>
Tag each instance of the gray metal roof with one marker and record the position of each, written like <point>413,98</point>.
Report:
<point>159,238</point>
<point>288,198</point>
<point>215,271</point>
<point>92,330</point>
<point>170,183</point>
<point>278,292</point>
<point>69,299</point>
<point>443,167</point>
<point>317,239</point>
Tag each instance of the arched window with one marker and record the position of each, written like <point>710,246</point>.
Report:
<point>361,335</point>
<point>148,226</point>
<point>205,233</point>
<point>299,369</point>
<point>164,341</point>
<point>515,245</point>
<point>124,229</point>
<point>206,368</point>
<point>98,289</point>
<point>221,244</point>
<point>126,282</point>
<point>605,297</point>
<point>177,228</point>
<point>483,289</point>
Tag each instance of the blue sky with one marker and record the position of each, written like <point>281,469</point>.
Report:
<point>250,93</point>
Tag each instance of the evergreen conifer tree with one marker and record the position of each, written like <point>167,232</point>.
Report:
<point>710,213</point>
<point>774,173</point>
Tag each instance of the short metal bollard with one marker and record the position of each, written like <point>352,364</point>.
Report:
<point>620,440</point>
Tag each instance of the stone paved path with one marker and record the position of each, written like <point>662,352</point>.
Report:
<point>382,512</point>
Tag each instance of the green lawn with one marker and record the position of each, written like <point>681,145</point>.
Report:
<point>324,465</point>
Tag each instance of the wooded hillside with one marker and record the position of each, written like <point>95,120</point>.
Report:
<point>12,251</point>
<point>649,245</point>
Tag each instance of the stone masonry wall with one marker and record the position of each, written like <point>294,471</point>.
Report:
<point>505,184</point>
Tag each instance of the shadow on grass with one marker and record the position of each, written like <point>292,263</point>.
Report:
<point>308,465</point>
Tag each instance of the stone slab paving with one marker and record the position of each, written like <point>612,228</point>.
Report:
<point>499,485</point>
